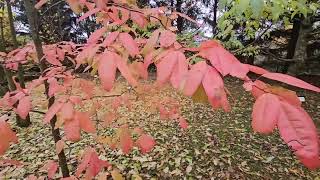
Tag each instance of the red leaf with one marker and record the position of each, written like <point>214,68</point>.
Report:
<point>180,70</point>
<point>40,4</point>
<point>194,78</point>
<point>139,19</point>
<point>109,118</point>
<point>126,142</point>
<point>85,122</point>
<point>291,80</point>
<point>110,39</point>
<point>72,130</point>
<point>298,131</point>
<point>24,107</point>
<point>125,72</point>
<point>91,163</point>
<point>257,70</point>
<point>151,43</point>
<point>52,111</point>
<point>145,143</point>
<point>12,162</point>
<point>128,42</point>
<point>96,35</point>
<point>183,123</point>
<point>167,38</point>
<point>51,167</point>
<point>89,13</point>
<point>165,67</point>
<point>107,70</point>
<point>59,146</point>
<point>265,113</point>
<point>67,111</point>
<point>225,62</point>
<point>87,87</point>
<point>214,88</point>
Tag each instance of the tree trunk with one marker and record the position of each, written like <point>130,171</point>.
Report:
<point>20,122</point>
<point>215,11</point>
<point>300,54</point>
<point>33,22</point>
<point>293,41</point>
<point>180,19</point>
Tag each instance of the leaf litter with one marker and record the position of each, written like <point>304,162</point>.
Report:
<point>214,145</point>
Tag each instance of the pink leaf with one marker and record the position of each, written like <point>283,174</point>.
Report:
<point>194,78</point>
<point>183,123</point>
<point>166,66</point>
<point>72,130</point>
<point>107,70</point>
<point>265,113</point>
<point>167,38</point>
<point>95,36</point>
<point>24,107</point>
<point>110,39</point>
<point>40,4</point>
<point>124,69</point>
<point>52,111</point>
<point>145,143</point>
<point>180,70</point>
<point>257,70</point>
<point>59,146</point>
<point>89,13</point>
<point>139,19</point>
<point>67,111</point>
<point>298,131</point>
<point>126,142</point>
<point>6,135</point>
<point>85,122</point>
<point>91,163</point>
<point>51,167</point>
<point>214,88</point>
<point>128,42</point>
<point>291,80</point>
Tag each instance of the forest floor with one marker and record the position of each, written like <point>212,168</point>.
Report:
<point>216,145</point>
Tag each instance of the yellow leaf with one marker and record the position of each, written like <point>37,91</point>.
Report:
<point>200,95</point>
<point>116,175</point>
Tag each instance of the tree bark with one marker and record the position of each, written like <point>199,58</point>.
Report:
<point>180,19</point>
<point>293,41</point>
<point>20,122</point>
<point>33,22</point>
<point>215,11</point>
<point>300,55</point>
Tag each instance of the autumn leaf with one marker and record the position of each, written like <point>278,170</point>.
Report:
<point>51,167</point>
<point>291,80</point>
<point>299,132</point>
<point>85,122</point>
<point>52,111</point>
<point>59,146</point>
<point>128,42</point>
<point>126,142</point>
<point>183,123</point>
<point>145,143</point>
<point>194,78</point>
<point>167,38</point>
<point>91,164</point>
<point>107,70</point>
<point>6,135</point>
<point>24,107</point>
<point>40,4</point>
<point>265,114</point>
<point>72,130</point>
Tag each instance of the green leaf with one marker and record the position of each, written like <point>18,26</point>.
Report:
<point>257,7</point>
<point>243,5</point>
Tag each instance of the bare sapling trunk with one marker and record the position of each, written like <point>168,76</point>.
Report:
<point>33,22</point>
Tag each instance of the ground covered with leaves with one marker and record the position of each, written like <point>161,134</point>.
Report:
<point>216,145</point>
